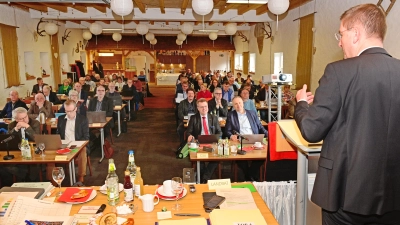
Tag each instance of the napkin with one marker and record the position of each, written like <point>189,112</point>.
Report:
<point>66,196</point>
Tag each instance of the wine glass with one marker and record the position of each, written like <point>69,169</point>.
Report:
<point>177,188</point>
<point>58,177</point>
<point>42,147</point>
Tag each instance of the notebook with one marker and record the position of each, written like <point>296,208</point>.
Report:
<point>253,138</point>
<point>51,141</point>
<point>12,144</point>
<point>206,139</point>
<point>39,191</point>
<point>96,116</point>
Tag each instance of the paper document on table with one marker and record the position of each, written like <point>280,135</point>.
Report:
<point>47,186</point>
<point>292,132</point>
<point>53,220</point>
<point>192,221</point>
<point>6,199</point>
<point>234,216</point>
<point>237,198</point>
<point>77,143</point>
<point>179,98</point>
<point>18,209</point>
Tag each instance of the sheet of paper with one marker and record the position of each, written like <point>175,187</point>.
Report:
<point>191,221</point>
<point>237,198</point>
<point>179,98</point>
<point>65,142</point>
<point>77,143</point>
<point>164,215</point>
<point>6,199</point>
<point>53,220</point>
<point>292,132</point>
<point>232,216</point>
<point>89,209</point>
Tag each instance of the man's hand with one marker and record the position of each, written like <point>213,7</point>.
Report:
<point>190,138</point>
<point>40,104</point>
<point>234,137</point>
<point>21,125</point>
<point>303,95</point>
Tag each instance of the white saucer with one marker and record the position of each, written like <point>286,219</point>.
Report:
<point>172,198</point>
<point>160,190</point>
<point>103,189</point>
<point>91,197</point>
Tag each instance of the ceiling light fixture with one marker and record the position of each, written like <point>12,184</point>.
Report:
<point>247,1</point>
<point>106,53</point>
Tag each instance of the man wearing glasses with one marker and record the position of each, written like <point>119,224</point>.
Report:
<point>40,105</point>
<point>74,127</point>
<point>80,107</point>
<point>356,113</point>
<point>103,103</point>
<point>217,105</point>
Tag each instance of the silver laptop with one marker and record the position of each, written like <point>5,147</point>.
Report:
<point>253,138</point>
<point>51,141</point>
<point>96,116</point>
<point>207,139</point>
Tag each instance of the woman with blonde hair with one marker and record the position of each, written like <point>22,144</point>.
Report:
<point>65,88</point>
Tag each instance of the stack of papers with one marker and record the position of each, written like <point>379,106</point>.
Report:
<point>236,198</point>
<point>47,186</point>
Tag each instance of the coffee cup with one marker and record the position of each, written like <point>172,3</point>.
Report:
<point>193,145</point>
<point>148,202</point>
<point>262,103</point>
<point>167,188</point>
<point>258,145</point>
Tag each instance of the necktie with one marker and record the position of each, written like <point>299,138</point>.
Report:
<point>205,126</point>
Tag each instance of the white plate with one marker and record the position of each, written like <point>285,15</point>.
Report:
<point>91,197</point>
<point>160,190</point>
<point>172,198</point>
<point>103,189</point>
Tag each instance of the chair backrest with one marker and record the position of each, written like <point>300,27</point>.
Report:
<point>55,108</point>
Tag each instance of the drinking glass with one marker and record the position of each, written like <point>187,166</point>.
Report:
<point>214,149</point>
<point>177,188</point>
<point>42,147</point>
<point>58,177</point>
<point>22,150</point>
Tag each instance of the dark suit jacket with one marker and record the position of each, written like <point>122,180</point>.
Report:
<point>81,109</point>
<point>212,105</point>
<point>54,99</point>
<point>84,96</point>
<point>34,128</point>
<point>356,112</point>
<point>8,108</point>
<point>183,108</point>
<point>107,105</point>
<point>232,123</point>
<point>133,90</point>
<point>36,89</point>
<point>81,127</point>
<point>195,122</point>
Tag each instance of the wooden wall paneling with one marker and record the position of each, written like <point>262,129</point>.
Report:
<point>246,59</point>
<point>55,60</point>
<point>189,62</point>
<point>203,63</point>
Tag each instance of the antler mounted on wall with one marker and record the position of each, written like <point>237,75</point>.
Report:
<point>267,29</point>
<point>388,8</point>
<point>40,32</point>
<point>242,36</point>
<point>65,36</point>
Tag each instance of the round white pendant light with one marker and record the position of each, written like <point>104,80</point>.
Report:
<point>95,28</point>
<point>142,29</point>
<point>122,7</point>
<point>51,28</point>
<point>178,42</point>
<point>181,36</point>
<point>230,28</point>
<point>149,36</point>
<point>186,28</point>
<point>116,36</point>
<point>213,36</point>
<point>153,42</point>
<point>202,7</point>
<point>278,6</point>
<point>87,35</point>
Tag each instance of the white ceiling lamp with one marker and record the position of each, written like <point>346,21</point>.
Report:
<point>117,37</point>
<point>181,37</point>
<point>213,36</point>
<point>153,42</point>
<point>87,35</point>
<point>179,42</point>
<point>106,53</point>
<point>247,1</point>
<point>122,7</point>
<point>187,28</point>
<point>202,7</point>
<point>142,29</point>
<point>278,7</point>
<point>149,36</point>
<point>230,28</point>
<point>96,29</point>
<point>51,28</point>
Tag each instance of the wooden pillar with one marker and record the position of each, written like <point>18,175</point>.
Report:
<point>246,59</point>
<point>194,55</point>
<point>55,59</point>
<point>232,61</point>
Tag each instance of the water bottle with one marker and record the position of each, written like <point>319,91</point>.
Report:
<point>226,148</point>
<point>112,184</point>
<point>131,166</point>
<point>220,147</point>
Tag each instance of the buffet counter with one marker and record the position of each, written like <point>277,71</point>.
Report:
<point>164,79</point>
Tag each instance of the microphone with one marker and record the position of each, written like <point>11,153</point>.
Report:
<point>7,139</point>
<point>240,135</point>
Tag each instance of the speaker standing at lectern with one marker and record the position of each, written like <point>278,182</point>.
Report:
<point>356,112</point>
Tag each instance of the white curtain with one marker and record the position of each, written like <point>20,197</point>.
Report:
<point>280,198</point>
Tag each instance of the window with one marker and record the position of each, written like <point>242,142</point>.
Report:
<point>252,63</point>
<point>9,45</point>
<point>278,62</point>
<point>238,62</point>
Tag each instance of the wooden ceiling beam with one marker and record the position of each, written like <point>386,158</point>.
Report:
<point>136,21</point>
<point>24,8</point>
<point>80,7</point>
<point>140,5</point>
<point>247,7</point>
<point>297,3</point>
<point>162,6</point>
<point>197,23</point>
<point>184,6</point>
<point>252,23</point>
<point>105,21</point>
<point>100,7</point>
<point>151,22</point>
<point>166,22</point>
<point>34,5</point>
<point>240,23</point>
<point>74,21</point>
<point>227,7</point>
<point>262,9</point>
<point>60,7</point>
<point>225,23</point>
<point>123,21</point>
<point>211,23</point>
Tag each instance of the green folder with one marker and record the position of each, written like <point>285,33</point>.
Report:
<point>250,186</point>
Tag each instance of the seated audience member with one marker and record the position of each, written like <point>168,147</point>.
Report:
<point>14,103</point>
<point>245,122</point>
<point>143,77</point>
<point>138,84</point>
<point>50,96</point>
<point>227,92</point>
<point>119,84</point>
<point>74,127</point>
<point>129,87</point>
<point>40,105</point>
<point>90,82</point>
<point>197,84</point>
<point>233,84</point>
<point>114,77</point>
<point>226,78</point>
<point>214,84</point>
<point>249,79</point>
<point>96,78</point>
<point>22,173</point>
<point>106,80</point>
<point>182,79</point>
<point>70,81</point>
<point>183,88</point>
<point>218,77</point>
<point>187,106</point>
<point>37,88</point>
<point>239,78</point>
<point>82,94</point>
<point>84,86</point>
<point>260,85</point>
<point>203,123</point>
<point>206,76</point>
<point>65,88</point>
<point>248,87</point>
<point>262,95</point>
<point>247,103</point>
<point>102,103</point>
<point>203,93</point>
<point>80,106</point>
<point>289,98</point>
<point>217,105</point>
<point>101,83</point>
<point>113,95</point>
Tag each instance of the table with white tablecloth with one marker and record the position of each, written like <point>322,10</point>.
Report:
<point>167,78</point>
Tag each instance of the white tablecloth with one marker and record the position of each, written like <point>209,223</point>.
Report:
<point>167,78</point>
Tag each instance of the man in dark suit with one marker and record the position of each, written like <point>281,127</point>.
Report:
<point>245,122</point>
<point>186,107</point>
<point>181,88</point>
<point>50,96</point>
<point>217,105</point>
<point>74,127</point>
<point>102,103</point>
<point>14,102</point>
<point>82,95</point>
<point>357,180</point>
<point>39,86</point>
<point>129,87</point>
<point>203,123</point>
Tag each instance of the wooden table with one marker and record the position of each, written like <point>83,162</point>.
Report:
<point>49,158</point>
<point>118,110</point>
<point>51,125</point>
<point>191,203</point>
<point>250,155</point>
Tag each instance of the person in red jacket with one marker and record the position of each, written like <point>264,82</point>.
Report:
<point>204,92</point>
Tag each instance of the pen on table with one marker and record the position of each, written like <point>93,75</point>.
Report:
<point>186,214</point>
<point>29,222</point>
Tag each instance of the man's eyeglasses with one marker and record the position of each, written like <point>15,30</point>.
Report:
<point>70,110</point>
<point>21,119</point>
<point>339,35</point>
<point>101,90</point>
<point>218,93</point>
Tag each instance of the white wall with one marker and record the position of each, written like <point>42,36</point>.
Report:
<point>219,60</point>
<point>149,60</point>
